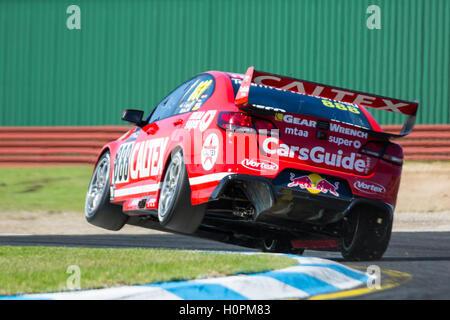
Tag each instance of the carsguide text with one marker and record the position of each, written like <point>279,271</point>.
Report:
<point>318,155</point>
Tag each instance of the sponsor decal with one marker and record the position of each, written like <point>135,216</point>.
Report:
<point>210,150</point>
<point>369,187</point>
<point>314,183</point>
<point>196,98</point>
<point>288,118</point>
<point>121,163</point>
<point>296,132</point>
<point>341,106</point>
<point>147,158</point>
<point>310,88</point>
<point>200,120</point>
<point>346,142</point>
<point>272,146</point>
<point>313,89</point>
<point>199,90</point>
<point>279,116</point>
<point>151,203</point>
<point>139,160</point>
<point>259,165</point>
<point>348,131</point>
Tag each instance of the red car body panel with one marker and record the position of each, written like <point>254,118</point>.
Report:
<point>140,155</point>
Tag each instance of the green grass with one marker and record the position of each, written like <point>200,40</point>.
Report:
<point>44,269</point>
<point>44,188</point>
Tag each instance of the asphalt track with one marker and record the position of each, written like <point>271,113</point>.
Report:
<point>415,266</point>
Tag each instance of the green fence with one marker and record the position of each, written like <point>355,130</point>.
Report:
<point>129,54</point>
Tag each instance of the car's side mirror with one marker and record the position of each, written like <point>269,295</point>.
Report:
<point>133,116</point>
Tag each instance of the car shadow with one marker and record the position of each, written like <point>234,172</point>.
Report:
<point>182,242</point>
<point>160,241</point>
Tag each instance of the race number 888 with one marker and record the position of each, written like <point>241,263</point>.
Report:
<point>121,163</point>
<point>340,106</point>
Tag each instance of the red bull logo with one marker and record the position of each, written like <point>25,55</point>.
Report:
<point>314,183</point>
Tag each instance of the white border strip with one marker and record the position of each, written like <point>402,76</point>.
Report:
<point>137,190</point>
<point>156,186</point>
<point>209,178</point>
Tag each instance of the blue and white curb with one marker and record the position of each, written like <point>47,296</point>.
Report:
<point>311,276</point>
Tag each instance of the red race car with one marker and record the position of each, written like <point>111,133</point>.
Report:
<point>258,160</point>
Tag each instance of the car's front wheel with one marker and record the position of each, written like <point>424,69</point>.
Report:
<point>98,210</point>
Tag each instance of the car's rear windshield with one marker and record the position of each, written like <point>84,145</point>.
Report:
<point>301,104</point>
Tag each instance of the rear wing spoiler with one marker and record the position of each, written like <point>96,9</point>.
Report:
<point>329,92</point>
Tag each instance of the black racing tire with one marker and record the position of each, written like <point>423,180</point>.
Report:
<point>178,214</point>
<point>98,210</point>
<point>366,234</point>
<point>279,246</point>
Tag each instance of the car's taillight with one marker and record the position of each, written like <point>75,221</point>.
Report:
<point>388,151</point>
<point>236,121</point>
<point>244,123</point>
<point>374,149</point>
<point>394,154</point>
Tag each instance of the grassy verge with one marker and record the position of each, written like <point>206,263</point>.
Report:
<point>44,188</point>
<point>44,269</point>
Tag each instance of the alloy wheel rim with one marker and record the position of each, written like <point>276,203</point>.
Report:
<point>97,186</point>
<point>169,187</point>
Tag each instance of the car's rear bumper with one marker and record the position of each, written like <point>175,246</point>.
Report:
<point>274,200</point>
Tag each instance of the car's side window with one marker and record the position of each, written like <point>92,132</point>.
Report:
<point>200,90</point>
<point>167,106</point>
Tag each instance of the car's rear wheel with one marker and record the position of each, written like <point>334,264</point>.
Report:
<point>366,234</point>
<point>98,210</point>
<point>175,211</point>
